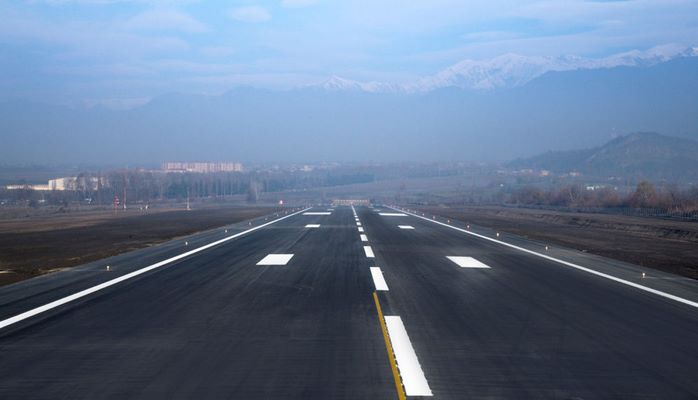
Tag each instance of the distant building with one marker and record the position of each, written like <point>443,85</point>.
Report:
<point>66,183</point>
<point>202,167</point>
<point>27,187</point>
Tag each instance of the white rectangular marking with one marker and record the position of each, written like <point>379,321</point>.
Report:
<point>56,303</point>
<point>364,238</point>
<point>386,214</point>
<point>358,224</point>
<point>312,226</point>
<point>405,226</point>
<point>361,229</point>
<point>369,251</point>
<point>467,262</point>
<point>317,213</point>
<point>378,279</point>
<point>275,259</point>
<point>411,372</point>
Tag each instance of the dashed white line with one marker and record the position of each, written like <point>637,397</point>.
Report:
<point>364,238</point>
<point>386,214</point>
<point>361,229</point>
<point>467,262</point>
<point>405,226</point>
<point>275,259</point>
<point>369,252</point>
<point>317,213</point>
<point>57,303</point>
<point>378,279</point>
<point>312,226</point>
<point>358,224</point>
<point>407,362</point>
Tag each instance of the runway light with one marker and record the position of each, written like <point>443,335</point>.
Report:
<point>108,268</point>
<point>497,234</point>
<point>467,226</point>
<point>643,274</point>
<point>546,247</point>
<point>226,231</point>
<point>448,221</point>
<point>186,243</point>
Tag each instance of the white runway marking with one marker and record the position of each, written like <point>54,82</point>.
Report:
<point>378,279</point>
<point>358,224</point>
<point>57,303</point>
<point>405,226</point>
<point>369,251</point>
<point>467,262</point>
<point>364,238</point>
<point>275,259</point>
<point>317,213</point>
<point>410,370</point>
<point>386,214</point>
<point>569,264</point>
<point>361,229</point>
<point>312,226</point>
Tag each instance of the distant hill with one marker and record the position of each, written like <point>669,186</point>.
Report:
<point>638,155</point>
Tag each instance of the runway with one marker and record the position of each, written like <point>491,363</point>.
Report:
<point>348,303</point>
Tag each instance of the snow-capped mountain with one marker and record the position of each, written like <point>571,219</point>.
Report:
<point>512,70</point>
<point>336,83</point>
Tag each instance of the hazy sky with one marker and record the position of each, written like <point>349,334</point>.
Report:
<point>126,51</point>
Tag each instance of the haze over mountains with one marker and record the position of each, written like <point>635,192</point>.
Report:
<point>506,108</point>
<point>511,70</point>
<point>642,155</point>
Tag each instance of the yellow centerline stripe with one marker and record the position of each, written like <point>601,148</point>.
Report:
<point>389,349</point>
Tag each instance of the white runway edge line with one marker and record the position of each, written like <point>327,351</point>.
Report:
<point>369,252</point>
<point>410,371</point>
<point>46,307</point>
<point>378,279</point>
<point>569,264</point>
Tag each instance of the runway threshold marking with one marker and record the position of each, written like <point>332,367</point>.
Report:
<point>312,226</point>
<point>566,263</point>
<point>275,259</point>
<point>378,279</point>
<point>467,262</point>
<point>56,303</point>
<point>369,252</point>
<point>388,347</point>
<point>405,226</point>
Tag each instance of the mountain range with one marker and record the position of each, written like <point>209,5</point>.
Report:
<point>512,70</point>
<point>642,155</point>
<point>570,109</point>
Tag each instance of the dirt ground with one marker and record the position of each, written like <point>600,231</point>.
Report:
<point>37,243</point>
<point>666,245</point>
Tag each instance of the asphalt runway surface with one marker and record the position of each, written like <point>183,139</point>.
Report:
<point>364,303</point>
